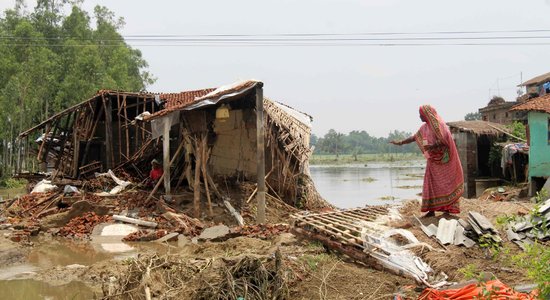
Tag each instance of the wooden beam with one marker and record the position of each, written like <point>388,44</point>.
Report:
<point>91,135</point>
<point>260,154</point>
<point>109,155</point>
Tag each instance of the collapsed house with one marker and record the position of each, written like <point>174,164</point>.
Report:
<point>231,133</point>
<point>476,142</point>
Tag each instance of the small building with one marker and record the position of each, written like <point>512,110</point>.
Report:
<point>537,86</point>
<point>498,111</point>
<point>231,134</point>
<point>538,137</point>
<point>474,140</point>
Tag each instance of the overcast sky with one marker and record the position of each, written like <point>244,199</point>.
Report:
<point>372,88</point>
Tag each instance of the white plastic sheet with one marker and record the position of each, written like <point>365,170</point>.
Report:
<point>43,186</point>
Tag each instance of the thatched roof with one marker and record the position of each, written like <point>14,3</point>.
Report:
<point>478,127</point>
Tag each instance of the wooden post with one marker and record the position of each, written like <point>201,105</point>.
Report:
<point>166,155</point>
<point>260,153</point>
<point>204,160</point>
<point>162,177</point>
<point>197,182</point>
<point>108,132</point>
<point>91,135</point>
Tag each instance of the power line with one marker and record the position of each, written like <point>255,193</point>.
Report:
<point>253,39</point>
<point>282,45</point>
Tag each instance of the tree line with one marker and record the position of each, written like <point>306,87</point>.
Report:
<point>360,142</point>
<point>51,60</point>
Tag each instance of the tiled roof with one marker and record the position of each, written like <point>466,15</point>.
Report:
<point>541,104</point>
<point>187,99</point>
<point>177,99</point>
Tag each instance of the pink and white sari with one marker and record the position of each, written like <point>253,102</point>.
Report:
<point>443,180</point>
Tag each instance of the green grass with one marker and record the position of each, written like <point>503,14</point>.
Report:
<point>343,159</point>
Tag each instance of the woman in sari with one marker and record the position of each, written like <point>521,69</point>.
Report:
<point>443,180</point>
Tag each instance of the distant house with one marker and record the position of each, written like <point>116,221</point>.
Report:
<point>537,86</point>
<point>538,116</point>
<point>473,141</point>
<point>498,111</point>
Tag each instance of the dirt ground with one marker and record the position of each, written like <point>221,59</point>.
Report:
<point>306,269</point>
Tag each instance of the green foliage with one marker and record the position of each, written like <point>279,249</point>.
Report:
<point>357,143</point>
<point>12,183</point>
<point>313,261</point>
<point>541,196</point>
<point>487,242</point>
<point>472,116</point>
<point>469,272</point>
<point>495,154</point>
<point>517,129</point>
<point>503,221</point>
<point>535,260</point>
<point>51,60</point>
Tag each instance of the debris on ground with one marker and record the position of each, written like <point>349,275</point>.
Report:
<point>82,226</point>
<point>535,226</point>
<point>261,231</point>
<point>493,289</point>
<point>355,233</point>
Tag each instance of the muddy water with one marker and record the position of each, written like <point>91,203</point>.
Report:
<point>375,183</point>
<point>36,277</point>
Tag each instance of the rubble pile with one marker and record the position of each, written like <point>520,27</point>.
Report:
<point>261,231</point>
<point>535,226</point>
<point>475,229</point>
<point>82,226</point>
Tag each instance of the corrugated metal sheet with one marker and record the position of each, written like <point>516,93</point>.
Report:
<point>211,98</point>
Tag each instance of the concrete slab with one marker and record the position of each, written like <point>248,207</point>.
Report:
<point>118,230</point>
<point>214,232</point>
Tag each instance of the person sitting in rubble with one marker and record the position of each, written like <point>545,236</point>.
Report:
<point>155,174</point>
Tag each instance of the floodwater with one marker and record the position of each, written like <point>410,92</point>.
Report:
<point>26,280</point>
<point>374,183</point>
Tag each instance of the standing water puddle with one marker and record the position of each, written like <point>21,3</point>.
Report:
<point>20,281</point>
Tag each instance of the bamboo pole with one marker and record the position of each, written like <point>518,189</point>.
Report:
<point>204,161</point>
